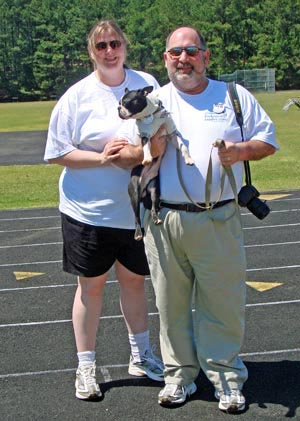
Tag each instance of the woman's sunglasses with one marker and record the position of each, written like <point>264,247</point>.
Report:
<point>191,50</point>
<point>102,45</point>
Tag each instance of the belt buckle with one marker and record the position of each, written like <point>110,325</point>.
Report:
<point>189,207</point>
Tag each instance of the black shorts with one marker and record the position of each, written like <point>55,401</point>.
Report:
<point>90,250</point>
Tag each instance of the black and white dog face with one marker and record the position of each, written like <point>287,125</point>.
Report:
<point>134,102</point>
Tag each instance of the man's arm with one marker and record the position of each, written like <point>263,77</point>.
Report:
<point>253,150</point>
<point>130,156</point>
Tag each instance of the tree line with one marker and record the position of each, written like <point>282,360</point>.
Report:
<point>44,49</point>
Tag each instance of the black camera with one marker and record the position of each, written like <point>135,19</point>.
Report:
<point>248,197</point>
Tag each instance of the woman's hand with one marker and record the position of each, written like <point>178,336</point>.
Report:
<point>112,150</point>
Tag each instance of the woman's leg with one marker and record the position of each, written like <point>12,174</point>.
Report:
<point>87,309</point>
<point>134,308</point>
<point>132,299</point>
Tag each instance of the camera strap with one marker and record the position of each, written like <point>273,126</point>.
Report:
<point>240,120</point>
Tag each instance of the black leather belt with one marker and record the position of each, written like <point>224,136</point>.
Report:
<point>189,207</point>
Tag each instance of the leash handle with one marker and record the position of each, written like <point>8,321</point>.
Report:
<point>228,170</point>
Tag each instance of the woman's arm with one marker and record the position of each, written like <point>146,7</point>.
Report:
<point>89,159</point>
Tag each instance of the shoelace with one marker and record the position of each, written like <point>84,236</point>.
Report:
<point>233,394</point>
<point>236,394</point>
<point>171,389</point>
<point>88,374</point>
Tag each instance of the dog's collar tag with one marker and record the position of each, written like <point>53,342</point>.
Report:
<point>149,119</point>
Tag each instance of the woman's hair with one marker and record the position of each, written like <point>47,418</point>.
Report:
<point>107,25</point>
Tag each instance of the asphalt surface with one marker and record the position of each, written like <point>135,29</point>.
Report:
<point>37,351</point>
<point>22,148</point>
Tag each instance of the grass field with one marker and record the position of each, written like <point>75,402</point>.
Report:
<point>25,116</point>
<point>36,185</point>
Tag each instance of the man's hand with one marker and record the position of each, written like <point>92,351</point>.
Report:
<point>229,153</point>
<point>252,150</point>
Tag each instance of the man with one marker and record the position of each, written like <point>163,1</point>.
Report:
<point>199,249</point>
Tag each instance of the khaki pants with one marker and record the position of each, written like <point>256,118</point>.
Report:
<point>198,260</point>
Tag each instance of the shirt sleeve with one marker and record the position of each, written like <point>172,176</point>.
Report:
<point>60,132</point>
<point>129,131</point>
<point>257,123</point>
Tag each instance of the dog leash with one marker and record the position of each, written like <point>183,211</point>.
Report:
<point>224,170</point>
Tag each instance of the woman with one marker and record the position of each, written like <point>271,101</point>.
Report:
<point>97,219</point>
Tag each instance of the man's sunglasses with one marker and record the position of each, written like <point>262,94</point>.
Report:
<point>191,50</point>
<point>102,45</point>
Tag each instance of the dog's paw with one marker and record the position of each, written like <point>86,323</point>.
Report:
<point>138,235</point>
<point>147,162</point>
<point>189,161</point>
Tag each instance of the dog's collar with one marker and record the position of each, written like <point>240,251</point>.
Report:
<point>141,116</point>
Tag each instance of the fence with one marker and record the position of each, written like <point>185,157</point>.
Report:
<point>256,80</point>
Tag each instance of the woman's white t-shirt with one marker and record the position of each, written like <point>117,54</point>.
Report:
<point>86,117</point>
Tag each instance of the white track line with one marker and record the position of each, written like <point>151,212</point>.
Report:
<point>56,228</point>
<point>113,281</point>
<point>59,243</point>
<point>287,243</point>
<point>105,368</point>
<point>274,268</point>
<point>272,226</point>
<point>59,261</point>
<point>30,263</point>
<point>30,229</point>
<point>278,351</point>
<point>28,218</point>
<point>120,316</point>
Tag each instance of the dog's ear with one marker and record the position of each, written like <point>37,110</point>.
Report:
<point>147,90</point>
<point>126,90</point>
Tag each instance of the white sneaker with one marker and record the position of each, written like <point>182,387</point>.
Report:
<point>85,383</point>
<point>150,366</point>
<point>174,394</point>
<point>230,400</point>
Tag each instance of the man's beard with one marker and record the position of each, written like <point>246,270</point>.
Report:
<point>186,82</point>
<point>179,75</point>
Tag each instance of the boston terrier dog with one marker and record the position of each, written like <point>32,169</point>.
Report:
<point>149,114</point>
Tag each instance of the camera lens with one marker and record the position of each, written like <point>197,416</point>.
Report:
<point>259,208</point>
<point>246,194</point>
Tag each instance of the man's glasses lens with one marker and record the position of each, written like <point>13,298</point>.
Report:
<point>113,44</point>
<point>191,51</point>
